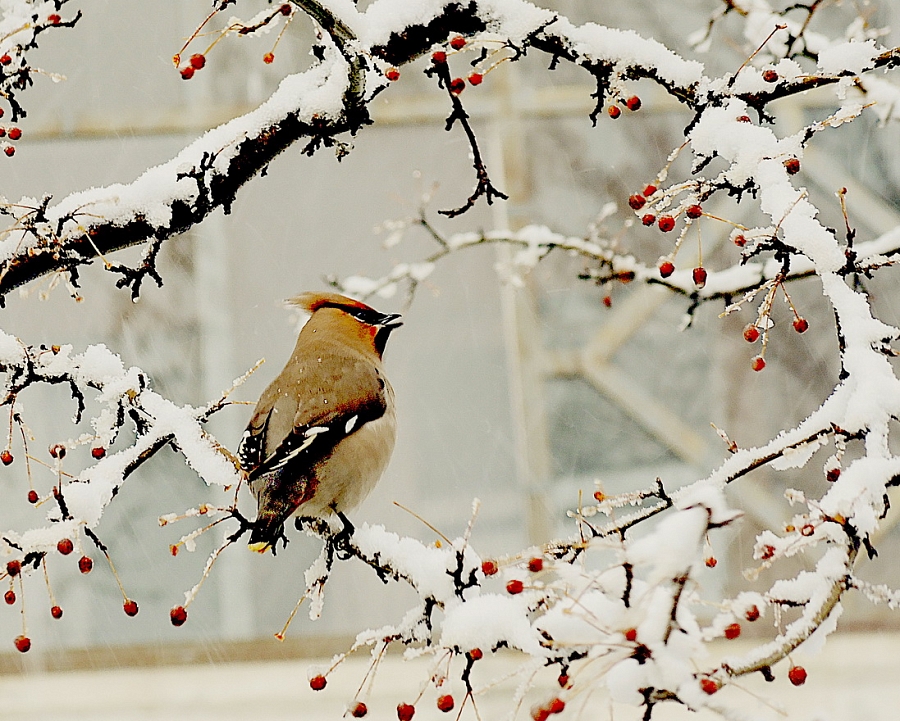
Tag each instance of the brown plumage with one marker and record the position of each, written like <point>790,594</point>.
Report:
<point>323,431</point>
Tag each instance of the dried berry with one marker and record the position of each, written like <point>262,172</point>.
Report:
<point>614,111</point>
<point>666,268</point>
<point>178,615</point>
<point>445,703</point>
<point>751,333</point>
<point>707,685</point>
<point>693,211</point>
<point>457,85</point>
<point>732,631</point>
<point>198,61</point>
<point>65,546</point>
<point>489,568</point>
<point>536,565</point>
<point>637,201</point>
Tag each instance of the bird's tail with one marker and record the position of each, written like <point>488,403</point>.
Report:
<point>268,529</point>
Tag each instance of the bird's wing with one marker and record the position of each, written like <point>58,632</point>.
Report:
<point>340,406</point>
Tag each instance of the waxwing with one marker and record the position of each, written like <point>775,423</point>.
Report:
<point>323,431</point>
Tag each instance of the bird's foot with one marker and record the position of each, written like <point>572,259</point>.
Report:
<point>341,540</point>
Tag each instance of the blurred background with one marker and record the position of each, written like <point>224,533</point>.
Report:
<point>521,397</point>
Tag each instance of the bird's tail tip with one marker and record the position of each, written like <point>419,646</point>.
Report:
<point>259,546</point>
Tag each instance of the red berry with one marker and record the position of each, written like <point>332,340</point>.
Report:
<point>637,201</point>
<point>54,19</point>
<point>792,166</point>
<point>23,644</point>
<point>6,457</point>
<point>187,72</point>
<point>445,703</point>
<point>751,333</point>
<point>9,597</point>
<point>711,562</point>
<point>666,223</point>
<point>85,564</point>
<point>666,268</point>
<point>515,587</point>
<point>770,76</point>
<point>743,119</point>
<point>614,111</point>
<point>65,546</point>
<point>699,274</point>
<point>476,654</point>
<point>359,710</point>
<point>475,78</point>
<point>557,705</point>
<point>767,552</point>
<point>269,58</point>
<point>648,219</point>
<point>14,568</point>
<point>285,9</point>
<point>535,565</point>
<point>650,190</point>
<point>732,631</point>
<point>740,241</point>
<point>392,74</point>
<point>198,61</point>
<point>56,612</point>
<point>801,325</point>
<point>457,85</point>
<point>540,713</point>
<point>33,496</point>
<point>563,680</point>
<point>178,615</point>
<point>5,59</point>
<point>2,132</point>
<point>693,211</point>
<point>707,685</point>
<point>98,452</point>
<point>752,614</point>
<point>633,103</point>
<point>9,150</point>
<point>489,568</point>
<point>832,474</point>
<point>607,301</point>
<point>457,42</point>
<point>797,675</point>
<point>405,711</point>
<point>439,57</point>
<point>758,363</point>
<point>317,683</point>
<point>130,607</point>
<point>631,634</point>
<point>15,133</point>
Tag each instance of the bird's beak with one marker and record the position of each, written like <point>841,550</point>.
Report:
<point>390,321</point>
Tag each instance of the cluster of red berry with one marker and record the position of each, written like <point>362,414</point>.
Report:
<point>633,103</point>
<point>439,57</point>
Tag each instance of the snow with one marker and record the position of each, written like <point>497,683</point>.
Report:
<point>487,620</point>
<point>849,57</point>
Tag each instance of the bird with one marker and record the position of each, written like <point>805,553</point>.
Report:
<point>323,431</point>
